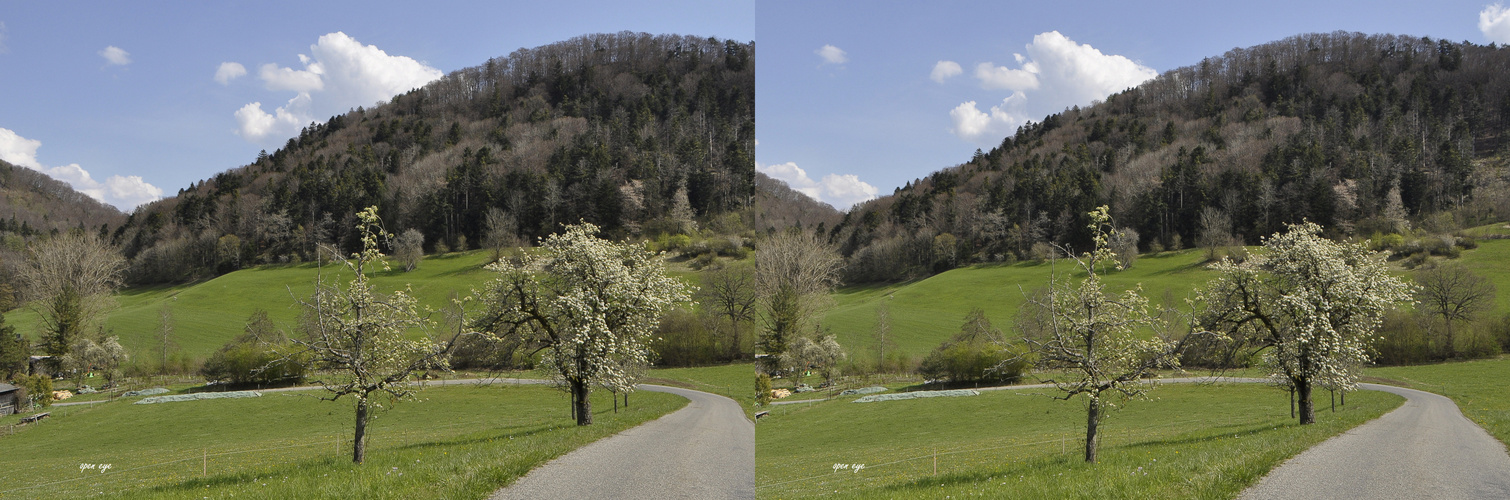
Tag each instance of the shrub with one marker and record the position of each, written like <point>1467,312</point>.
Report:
<point>251,360</point>
<point>762,389</point>
<point>978,353</point>
<point>35,390</point>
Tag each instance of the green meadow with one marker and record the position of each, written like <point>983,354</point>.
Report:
<point>210,313</point>
<point>460,441</point>
<point>1191,441</point>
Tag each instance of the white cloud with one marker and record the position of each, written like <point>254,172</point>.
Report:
<point>1056,73</point>
<point>842,191</point>
<point>1003,78</point>
<point>832,55</point>
<point>116,56</point>
<point>945,70</point>
<point>339,73</point>
<point>986,129</point>
<point>19,150</point>
<point>125,192</point>
<point>275,78</point>
<point>229,71</point>
<point>1494,21</point>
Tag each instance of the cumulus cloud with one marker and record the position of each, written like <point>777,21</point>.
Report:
<point>115,56</point>
<point>1057,73</point>
<point>974,125</point>
<point>125,192</point>
<point>229,71</point>
<point>945,70</point>
<point>1494,21</point>
<point>832,55</point>
<point>842,191</point>
<point>339,73</point>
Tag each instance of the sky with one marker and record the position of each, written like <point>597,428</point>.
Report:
<point>855,99</point>
<point>133,101</point>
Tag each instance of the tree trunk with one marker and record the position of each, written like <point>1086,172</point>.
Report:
<point>1451,346</point>
<point>580,404</point>
<point>1343,397</point>
<point>1292,401</point>
<point>615,402</point>
<point>1334,400</point>
<point>359,443</point>
<point>626,400</point>
<point>1092,420</point>
<point>1307,410</point>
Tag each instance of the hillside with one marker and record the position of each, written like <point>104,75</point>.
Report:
<point>637,133</point>
<point>1360,133</point>
<point>210,313</point>
<point>33,203</point>
<point>926,312</point>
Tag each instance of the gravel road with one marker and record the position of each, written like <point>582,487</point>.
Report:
<point>1424,449</point>
<point>703,451</point>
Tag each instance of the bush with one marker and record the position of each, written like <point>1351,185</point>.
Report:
<point>977,353</point>
<point>762,389</point>
<point>684,340</point>
<point>35,390</point>
<point>250,360</point>
<point>1402,340</point>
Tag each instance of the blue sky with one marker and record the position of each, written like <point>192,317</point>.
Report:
<point>129,101</point>
<point>853,101</point>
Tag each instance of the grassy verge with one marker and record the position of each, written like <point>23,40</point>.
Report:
<point>1478,387</point>
<point>462,442</point>
<point>1193,442</point>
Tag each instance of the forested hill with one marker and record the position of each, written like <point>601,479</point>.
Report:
<point>31,203</point>
<point>637,133</point>
<point>1360,133</point>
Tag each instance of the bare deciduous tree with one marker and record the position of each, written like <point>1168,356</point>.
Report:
<point>69,279</point>
<point>730,291</point>
<point>1455,293</point>
<point>409,248</point>
<point>793,272</point>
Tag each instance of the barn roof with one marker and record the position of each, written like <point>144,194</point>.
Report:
<point>4,388</point>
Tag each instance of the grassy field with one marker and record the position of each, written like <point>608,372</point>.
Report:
<point>926,312</point>
<point>208,314</point>
<point>461,442</point>
<point>1478,387</point>
<point>1192,442</point>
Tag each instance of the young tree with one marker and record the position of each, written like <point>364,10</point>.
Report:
<point>1309,303</point>
<point>587,304</point>
<point>409,248</point>
<point>69,279</point>
<point>360,336</point>
<point>730,291</point>
<point>882,334</point>
<point>166,339</point>
<point>979,352</point>
<point>87,355</point>
<point>15,351</point>
<point>804,353</point>
<point>1093,337</point>
<point>794,271</point>
<point>499,231</point>
<point>1455,293</point>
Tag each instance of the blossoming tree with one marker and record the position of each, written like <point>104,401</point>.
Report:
<point>588,305</point>
<point>1309,303</point>
<point>361,337</point>
<point>1102,344</point>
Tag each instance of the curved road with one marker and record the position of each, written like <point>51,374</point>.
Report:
<point>703,451</point>
<point>1424,449</point>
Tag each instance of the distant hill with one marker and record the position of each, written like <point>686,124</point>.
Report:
<point>778,206</point>
<point>32,203</point>
<point>631,131</point>
<point>1360,133</point>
